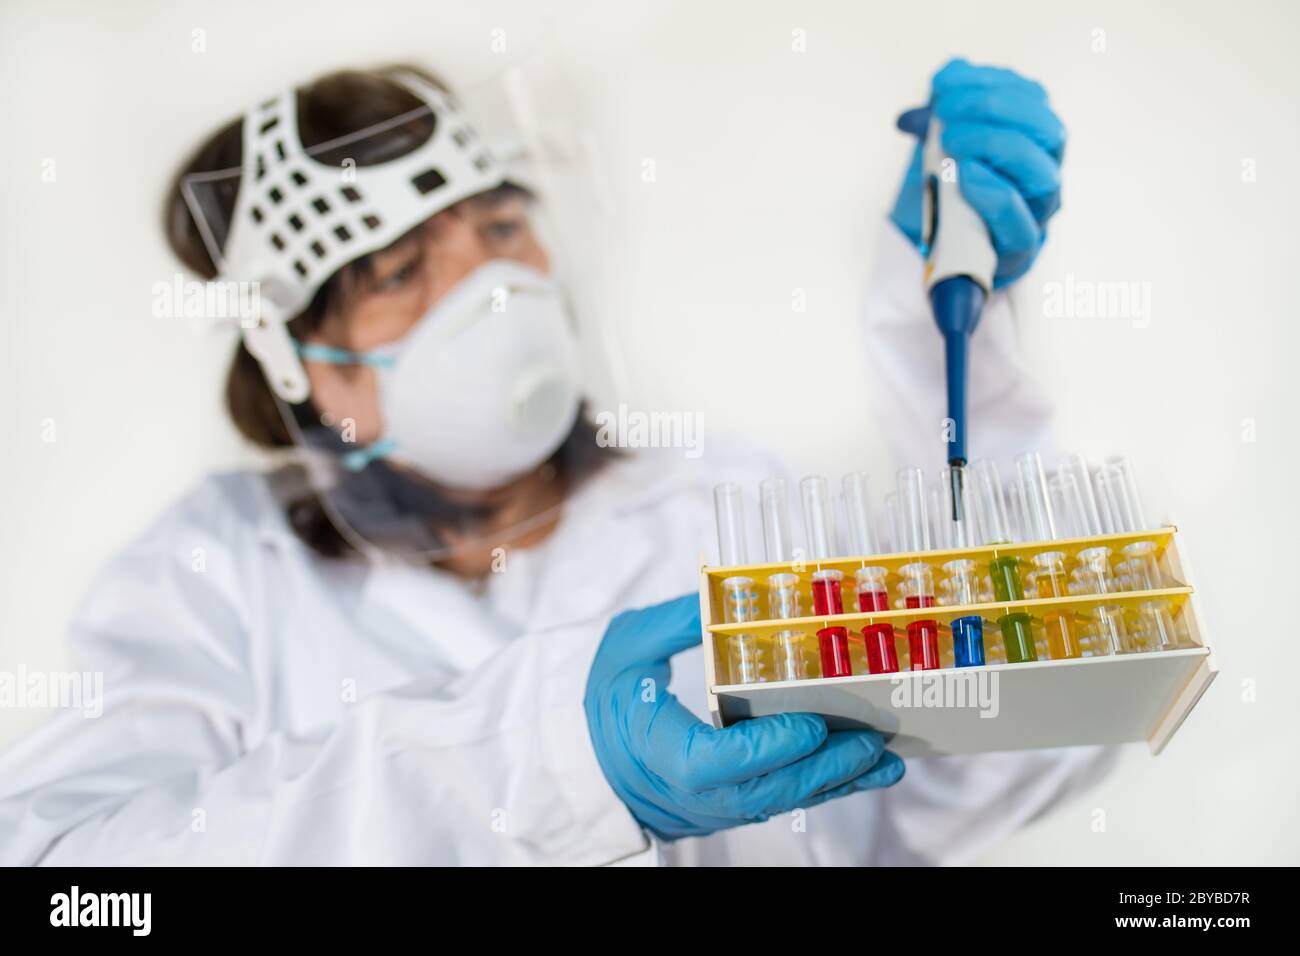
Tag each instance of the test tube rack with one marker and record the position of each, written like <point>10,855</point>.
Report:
<point>1107,698</point>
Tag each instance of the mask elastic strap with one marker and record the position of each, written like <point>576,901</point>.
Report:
<point>357,459</point>
<point>312,352</point>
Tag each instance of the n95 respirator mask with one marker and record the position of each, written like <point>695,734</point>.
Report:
<point>484,388</point>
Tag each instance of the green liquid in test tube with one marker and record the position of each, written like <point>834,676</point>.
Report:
<point>1004,570</point>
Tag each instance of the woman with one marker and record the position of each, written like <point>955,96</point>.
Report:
<point>407,647</point>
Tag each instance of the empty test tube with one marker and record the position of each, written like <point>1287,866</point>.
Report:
<point>748,655</point>
<point>1073,492</point>
<point>918,577</point>
<point>894,518</point>
<point>961,576</point>
<point>1121,513</point>
<point>1089,522</point>
<point>1047,574</point>
<point>783,598</point>
<point>871,580</point>
<point>833,640</point>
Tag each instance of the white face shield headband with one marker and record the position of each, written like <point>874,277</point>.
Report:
<point>297,221</point>
<point>483,389</point>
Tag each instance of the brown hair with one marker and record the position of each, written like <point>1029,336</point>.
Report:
<point>330,108</point>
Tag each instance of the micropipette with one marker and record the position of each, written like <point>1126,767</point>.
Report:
<point>783,598</point>
<point>746,653</point>
<point>960,262</point>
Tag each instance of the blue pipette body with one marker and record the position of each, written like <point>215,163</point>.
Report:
<point>957,303</point>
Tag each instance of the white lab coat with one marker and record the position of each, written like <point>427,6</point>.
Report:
<point>265,705</point>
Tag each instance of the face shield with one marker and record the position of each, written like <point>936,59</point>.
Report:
<point>430,424</point>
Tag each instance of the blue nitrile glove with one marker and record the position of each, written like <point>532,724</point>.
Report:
<point>1008,144</point>
<point>681,777</point>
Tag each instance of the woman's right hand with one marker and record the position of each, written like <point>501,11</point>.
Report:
<point>680,777</point>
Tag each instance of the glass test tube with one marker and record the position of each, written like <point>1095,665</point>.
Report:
<point>1121,512</point>
<point>871,580</point>
<point>1072,490</point>
<point>789,649</point>
<point>748,655</point>
<point>1093,575</point>
<point>918,577</point>
<point>961,581</point>
<point>832,641</point>
<point>1047,574</point>
<point>1004,570</point>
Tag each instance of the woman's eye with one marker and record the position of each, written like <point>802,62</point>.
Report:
<point>504,230</point>
<point>398,278</point>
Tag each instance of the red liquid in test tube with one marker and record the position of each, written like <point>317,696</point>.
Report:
<point>827,597</point>
<point>834,645</point>
<point>923,645</point>
<point>918,578</point>
<point>873,601</point>
<point>833,641</point>
<point>882,653</point>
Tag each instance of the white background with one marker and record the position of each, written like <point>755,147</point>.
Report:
<point>773,171</point>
